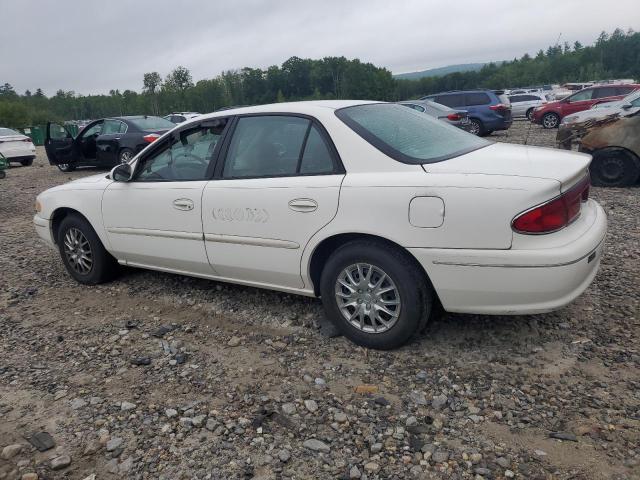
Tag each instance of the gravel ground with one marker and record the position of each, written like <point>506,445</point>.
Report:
<point>243,384</point>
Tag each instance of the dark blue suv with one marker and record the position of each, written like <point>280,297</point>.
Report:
<point>489,110</point>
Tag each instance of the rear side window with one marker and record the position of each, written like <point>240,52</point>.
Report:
<point>624,90</point>
<point>406,135</point>
<point>453,100</point>
<point>152,123</point>
<point>479,98</point>
<point>604,92</point>
<point>275,146</point>
<point>518,98</point>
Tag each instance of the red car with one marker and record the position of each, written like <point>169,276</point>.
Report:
<point>550,114</point>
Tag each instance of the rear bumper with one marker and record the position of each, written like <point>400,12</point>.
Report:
<point>43,229</point>
<point>515,282</point>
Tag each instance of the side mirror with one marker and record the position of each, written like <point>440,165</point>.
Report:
<point>627,106</point>
<point>121,173</point>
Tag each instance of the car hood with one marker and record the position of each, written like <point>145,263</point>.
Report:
<point>98,181</point>
<point>597,114</point>
<point>517,161</point>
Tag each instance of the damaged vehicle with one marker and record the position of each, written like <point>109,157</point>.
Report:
<point>380,210</point>
<point>612,136</point>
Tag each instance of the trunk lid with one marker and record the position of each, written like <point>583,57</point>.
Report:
<point>518,161</point>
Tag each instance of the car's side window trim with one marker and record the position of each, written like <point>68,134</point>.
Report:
<point>338,167</point>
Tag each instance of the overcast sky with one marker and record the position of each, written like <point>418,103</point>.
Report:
<point>93,46</point>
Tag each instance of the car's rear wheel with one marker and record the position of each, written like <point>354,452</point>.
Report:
<point>476,127</point>
<point>125,155</point>
<point>375,295</point>
<point>614,168</point>
<point>27,162</point>
<point>550,120</point>
<point>529,114</point>
<point>82,252</point>
<point>2,174</point>
<point>66,167</point>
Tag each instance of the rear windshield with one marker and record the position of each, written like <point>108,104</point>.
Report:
<point>152,123</point>
<point>407,135</point>
<point>6,132</point>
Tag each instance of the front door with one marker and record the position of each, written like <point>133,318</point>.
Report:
<point>278,185</point>
<point>578,102</point>
<point>59,145</point>
<point>155,220</point>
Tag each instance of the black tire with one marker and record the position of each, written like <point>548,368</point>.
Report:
<point>27,163</point>
<point>416,296</point>
<point>529,114</point>
<point>125,155</point>
<point>2,174</point>
<point>66,167</point>
<point>103,266</point>
<point>476,127</point>
<point>550,120</point>
<point>614,168</point>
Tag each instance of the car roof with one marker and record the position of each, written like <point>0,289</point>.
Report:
<point>302,107</point>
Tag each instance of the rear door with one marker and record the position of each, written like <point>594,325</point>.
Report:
<point>278,185</point>
<point>60,145</point>
<point>108,142</point>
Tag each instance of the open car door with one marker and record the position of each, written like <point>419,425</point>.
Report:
<point>60,145</point>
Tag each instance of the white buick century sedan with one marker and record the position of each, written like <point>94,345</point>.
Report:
<point>379,210</point>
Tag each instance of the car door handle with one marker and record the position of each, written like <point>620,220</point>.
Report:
<point>183,204</point>
<point>303,205</point>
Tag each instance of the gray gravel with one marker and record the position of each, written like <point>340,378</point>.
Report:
<point>239,383</point>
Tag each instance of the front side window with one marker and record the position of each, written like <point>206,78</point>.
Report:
<point>95,129</point>
<point>182,159</point>
<point>406,135</point>
<point>274,146</point>
<point>581,96</point>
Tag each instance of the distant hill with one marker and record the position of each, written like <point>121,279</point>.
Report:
<point>439,72</point>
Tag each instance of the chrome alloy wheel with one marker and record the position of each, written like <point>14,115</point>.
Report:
<point>367,298</point>
<point>126,156</point>
<point>78,251</point>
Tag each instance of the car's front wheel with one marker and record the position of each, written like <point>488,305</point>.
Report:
<point>27,162</point>
<point>550,120</point>
<point>82,252</point>
<point>375,294</point>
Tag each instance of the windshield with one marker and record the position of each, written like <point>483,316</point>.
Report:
<point>407,135</point>
<point>152,123</point>
<point>5,132</point>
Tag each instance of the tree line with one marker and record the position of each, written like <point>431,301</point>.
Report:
<point>615,55</point>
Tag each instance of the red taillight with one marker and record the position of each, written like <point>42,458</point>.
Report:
<point>556,213</point>
<point>152,137</point>
<point>500,106</point>
<point>454,117</point>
